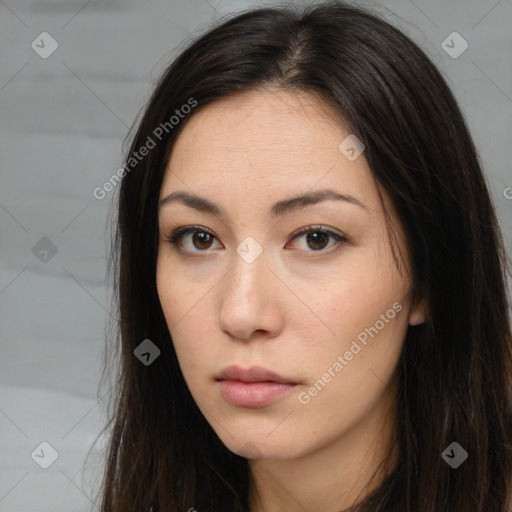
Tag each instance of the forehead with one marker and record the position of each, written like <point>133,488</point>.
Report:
<point>262,121</point>
<point>261,141</point>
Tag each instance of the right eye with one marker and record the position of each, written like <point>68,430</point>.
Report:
<point>202,238</point>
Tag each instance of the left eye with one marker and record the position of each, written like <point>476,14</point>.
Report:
<point>316,238</point>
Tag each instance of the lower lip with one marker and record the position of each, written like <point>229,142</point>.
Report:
<point>253,394</point>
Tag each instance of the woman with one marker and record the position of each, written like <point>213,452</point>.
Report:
<point>311,282</point>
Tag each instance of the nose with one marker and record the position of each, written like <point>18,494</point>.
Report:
<point>250,303</point>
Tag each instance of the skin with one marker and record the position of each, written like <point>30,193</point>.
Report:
<point>297,306</point>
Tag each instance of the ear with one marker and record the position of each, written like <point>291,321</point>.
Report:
<point>418,313</point>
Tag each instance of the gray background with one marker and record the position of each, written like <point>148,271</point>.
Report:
<point>62,122</point>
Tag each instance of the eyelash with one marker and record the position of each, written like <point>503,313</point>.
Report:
<point>178,233</point>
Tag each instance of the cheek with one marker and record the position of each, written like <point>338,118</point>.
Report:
<point>189,319</point>
<point>353,300</point>
<point>186,293</point>
<point>351,374</point>
<point>179,294</point>
<point>364,315</point>
<point>366,336</point>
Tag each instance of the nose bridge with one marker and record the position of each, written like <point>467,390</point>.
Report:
<point>249,265</point>
<point>246,293</point>
<point>246,304</point>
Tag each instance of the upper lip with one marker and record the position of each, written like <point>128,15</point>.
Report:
<point>253,374</point>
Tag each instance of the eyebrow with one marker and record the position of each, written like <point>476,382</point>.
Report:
<point>279,209</point>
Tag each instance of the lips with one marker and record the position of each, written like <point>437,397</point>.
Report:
<point>253,374</point>
<point>255,387</point>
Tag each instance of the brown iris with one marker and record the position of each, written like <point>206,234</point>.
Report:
<point>203,238</point>
<point>315,236</point>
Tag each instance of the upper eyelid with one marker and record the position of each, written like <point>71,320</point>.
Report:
<point>185,229</point>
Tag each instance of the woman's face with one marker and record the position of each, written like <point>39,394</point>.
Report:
<point>326,311</point>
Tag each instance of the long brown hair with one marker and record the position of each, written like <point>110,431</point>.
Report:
<point>455,371</point>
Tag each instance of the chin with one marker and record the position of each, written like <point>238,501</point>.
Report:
<point>260,447</point>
